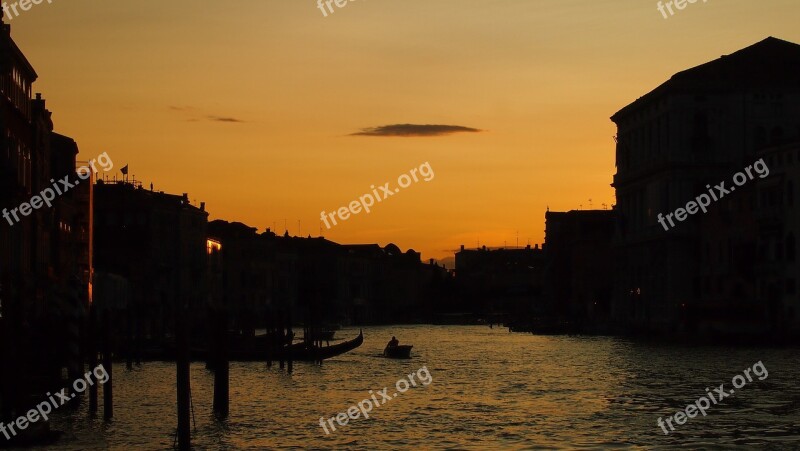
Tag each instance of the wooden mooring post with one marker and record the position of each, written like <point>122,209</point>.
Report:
<point>221,367</point>
<point>184,437</point>
<point>289,334</point>
<point>108,387</point>
<point>92,357</point>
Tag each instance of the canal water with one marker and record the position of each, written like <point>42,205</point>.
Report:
<point>490,389</point>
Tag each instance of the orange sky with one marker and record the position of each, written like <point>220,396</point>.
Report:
<point>149,81</point>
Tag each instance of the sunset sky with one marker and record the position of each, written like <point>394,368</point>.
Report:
<point>251,105</point>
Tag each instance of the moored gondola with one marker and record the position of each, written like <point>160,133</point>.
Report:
<point>300,352</point>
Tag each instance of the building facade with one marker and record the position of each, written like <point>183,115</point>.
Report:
<point>694,131</point>
<point>501,282</point>
<point>44,249</point>
<point>580,266</point>
<point>158,243</point>
<point>778,228</point>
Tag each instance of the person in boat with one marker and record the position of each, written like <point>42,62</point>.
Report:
<point>392,343</point>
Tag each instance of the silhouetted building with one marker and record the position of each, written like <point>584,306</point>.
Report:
<point>16,178</point>
<point>318,282</point>
<point>380,284</point>
<point>699,128</point>
<point>247,267</point>
<point>314,266</point>
<point>214,272</point>
<point>44,245</point>
<point>84,233</point>
<point>580,266</point>
<point>500,281</point>
<point>778,224</point>
<point>438,297</point>
<point>158,242</point>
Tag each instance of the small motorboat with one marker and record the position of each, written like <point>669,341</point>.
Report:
<point>398,352</point>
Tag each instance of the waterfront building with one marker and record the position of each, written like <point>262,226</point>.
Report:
<point>501,281</point>
<point>158,243</point>
<point>45,255</point>
<point>697,129</point>
<point>16,185</point>
<point>380,285</point>
<point>778,227</point>
<point>580,266</point>
<point>246,282</point>
<point>314,280</point>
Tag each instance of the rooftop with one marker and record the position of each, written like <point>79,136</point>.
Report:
<point>768,62</point>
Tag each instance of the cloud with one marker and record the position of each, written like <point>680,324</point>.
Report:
<point>224,119</point>
<point>414,130</point>
<point>196,115</point>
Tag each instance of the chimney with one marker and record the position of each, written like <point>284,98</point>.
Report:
<point>462,248</point>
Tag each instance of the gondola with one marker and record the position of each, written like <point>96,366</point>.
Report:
<point>300,352</point>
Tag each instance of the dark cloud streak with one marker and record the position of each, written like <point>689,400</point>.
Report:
<point>224,119</point>
<point>408,130</point>
<point>196,115</point>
